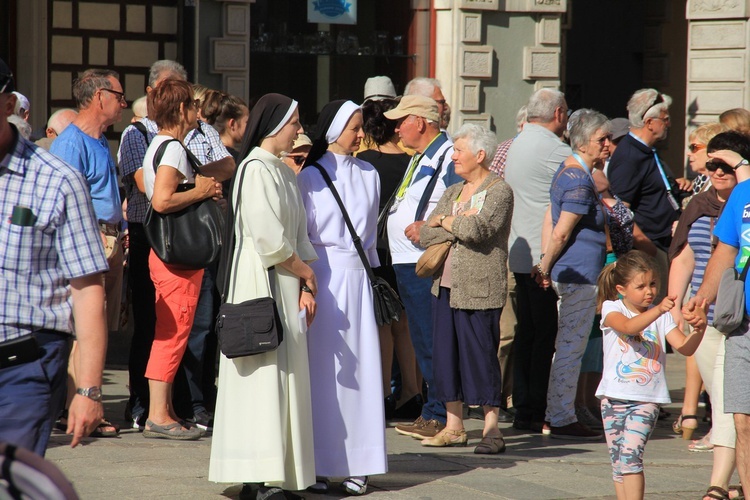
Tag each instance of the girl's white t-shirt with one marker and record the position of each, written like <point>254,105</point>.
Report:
<point>174,156</point>
<point>633,369</point>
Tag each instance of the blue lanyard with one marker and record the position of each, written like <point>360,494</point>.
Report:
<point>661,171</point>
<point>586,168</point>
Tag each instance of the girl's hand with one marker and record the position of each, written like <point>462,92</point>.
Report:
<point>307,302</point>
<point>667,304</point>
<point>696,317</point>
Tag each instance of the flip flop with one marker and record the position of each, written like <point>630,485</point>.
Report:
<point>175,430</point>
<point>355,485</point>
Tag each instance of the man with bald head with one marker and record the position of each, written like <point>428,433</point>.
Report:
<point>58,122</point>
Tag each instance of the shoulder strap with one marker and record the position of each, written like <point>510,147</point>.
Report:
<point>192,160</point>
<point>349,225</point>
<point>425,200</point>
<point>229,239</point>
<point>743,276</point>
<point>140,127</point>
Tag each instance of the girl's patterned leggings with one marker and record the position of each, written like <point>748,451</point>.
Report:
<point>627,427</point>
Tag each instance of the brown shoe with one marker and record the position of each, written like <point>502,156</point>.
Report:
<point>447,437</point>
<point>575,432</point>
<point>408,429</point>
<point>429,429</point>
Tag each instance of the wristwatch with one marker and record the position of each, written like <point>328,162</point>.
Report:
<point>742,162</point>
<point>441,219</point>
<point>93,393</point>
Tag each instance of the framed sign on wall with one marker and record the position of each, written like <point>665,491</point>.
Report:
<point>332,11</point>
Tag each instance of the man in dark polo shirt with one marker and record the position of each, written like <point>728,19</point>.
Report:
<point>640,178</point>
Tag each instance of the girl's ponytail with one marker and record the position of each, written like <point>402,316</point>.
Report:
<point>606,286</point>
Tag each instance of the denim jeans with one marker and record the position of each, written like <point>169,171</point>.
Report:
<point>417,298</point>
<point>189,397</point>
<point>533,348</point>
<point>33,394</point>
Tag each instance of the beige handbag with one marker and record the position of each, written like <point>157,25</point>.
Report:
<point>433,258</point>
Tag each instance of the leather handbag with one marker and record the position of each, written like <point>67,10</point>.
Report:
<point>387,304</point>
<point>729,310</point>
<point>253,326</point>
<point>433,258</point>
<point>189,238</point>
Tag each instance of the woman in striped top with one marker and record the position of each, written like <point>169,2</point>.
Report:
<point>691,248</point>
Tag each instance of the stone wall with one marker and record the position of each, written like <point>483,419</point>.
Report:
<point>125,35</point>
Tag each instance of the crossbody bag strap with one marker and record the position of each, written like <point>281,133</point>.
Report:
<point>160,153</point>
<point>232,209</point>
<point>743,275</point>
<point>349,225</point>
<point>425,199</point>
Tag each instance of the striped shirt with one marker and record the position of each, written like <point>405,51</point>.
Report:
<point>699,239</point>
<point>48,235</point>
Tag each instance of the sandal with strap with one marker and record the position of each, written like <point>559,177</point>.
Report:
<point>105,429</point>
<point>738,489</point>
<point>716,493</point>
<point>356,485</point>
<point>679,428</point>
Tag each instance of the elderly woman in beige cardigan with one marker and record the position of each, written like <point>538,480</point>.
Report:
<point>470,289</point>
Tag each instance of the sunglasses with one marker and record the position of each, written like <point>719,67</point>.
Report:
<point>120,95</point>
<point>602,140</point>
<point>297,159</point>
<point>713,166</point>
<point>5,81</point>
<point>693,147</point>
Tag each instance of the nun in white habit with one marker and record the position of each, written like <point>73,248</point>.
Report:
<point>343,342</point>
<point>262,432</point>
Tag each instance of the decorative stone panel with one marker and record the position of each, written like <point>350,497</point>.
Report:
<point>135,18</point>
<point>471,27</point>
<point>98,16</point>
<point>476,61</point>
<point>547,84</point>
<point>479,4</point>
<point>136,53</point>
<point>236,85</point>
<point>62,15</point>
<point>715,100</point>
<point>541,62</point>
<point>229,55</point>
<point>548,30</point>
<point>720,67</point>
<point>469,96</point>
<point>164,20</point>
<point>717,35</point>
<point>534,5</point>
<point>67,49</point>
<point>718,9</point>
<point>483,119</point>
<point>237,20</point>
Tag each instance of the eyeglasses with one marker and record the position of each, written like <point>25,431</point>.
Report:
<point>120,95</point>
<point>694,147</point>
<point>602,140</point>
<point>713,166</point>
<point>297,159</point>
<point>5,81</point>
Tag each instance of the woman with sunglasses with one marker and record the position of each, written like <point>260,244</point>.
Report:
<point>697,158</point>
<point>697,155</point>
<point>689,252</point>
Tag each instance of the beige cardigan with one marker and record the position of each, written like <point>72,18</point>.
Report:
<point>479,272</point>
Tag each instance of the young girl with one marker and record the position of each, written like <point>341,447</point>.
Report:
<point>633,382</point>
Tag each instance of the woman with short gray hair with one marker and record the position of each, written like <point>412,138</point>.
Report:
<point>574,247</point>
<point>470,288</point>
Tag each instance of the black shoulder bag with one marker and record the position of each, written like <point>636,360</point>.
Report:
<point>253,326</point>
<point>388,305</point>
<point>189,238</point>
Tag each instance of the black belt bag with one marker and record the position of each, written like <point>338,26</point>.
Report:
<point>19,351</point>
